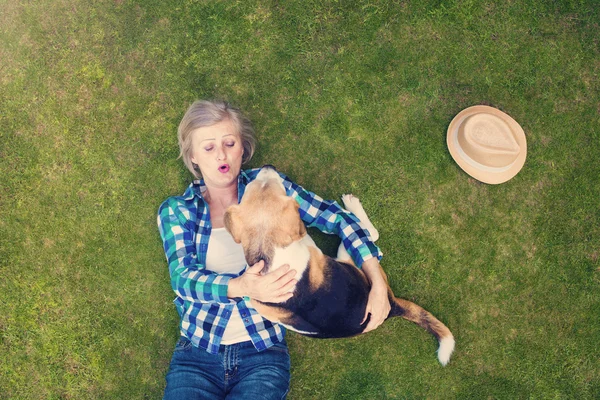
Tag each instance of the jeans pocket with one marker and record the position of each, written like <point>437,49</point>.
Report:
<point>280,347</point>
<point>183,344</point>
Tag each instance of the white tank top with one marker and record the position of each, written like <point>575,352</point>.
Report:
<point>225,256</point>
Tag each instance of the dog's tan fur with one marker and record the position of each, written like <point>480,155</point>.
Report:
<point>316,273</point>
<point>262,237</point>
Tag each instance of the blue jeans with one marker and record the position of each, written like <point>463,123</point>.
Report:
<point>239,371</point>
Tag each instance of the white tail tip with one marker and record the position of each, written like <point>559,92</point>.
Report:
<point>446,349</point>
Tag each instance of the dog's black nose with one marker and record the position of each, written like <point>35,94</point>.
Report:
<point>269,166</point>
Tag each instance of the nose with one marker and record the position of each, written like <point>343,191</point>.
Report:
<point>220,153</point>
<point>267,172</point>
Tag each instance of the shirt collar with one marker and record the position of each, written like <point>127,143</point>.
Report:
<point>243,180</point>
<point>197,187</point>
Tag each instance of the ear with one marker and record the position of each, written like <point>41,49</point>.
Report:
<point>301,229</point>
<point>233,223</point>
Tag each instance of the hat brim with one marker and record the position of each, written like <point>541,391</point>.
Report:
<point>480,172</point>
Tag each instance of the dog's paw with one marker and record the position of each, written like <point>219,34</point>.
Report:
<point>353,204</point>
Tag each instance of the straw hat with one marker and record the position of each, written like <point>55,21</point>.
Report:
<point>487,144</point>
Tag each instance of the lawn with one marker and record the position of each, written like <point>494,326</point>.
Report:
<point>345,96</point>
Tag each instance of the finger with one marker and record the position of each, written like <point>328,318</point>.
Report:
<point>371,325</point>
<point>284,284</point>
<point>367,311</point>
<point>288,276</point>
<point>256,268</point>
<point>372,321</point>
<point>375,322</point>
<point>289,287</point>
<point>282,298</point>
<point>280,272</point>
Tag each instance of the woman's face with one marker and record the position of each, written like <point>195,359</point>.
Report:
<point>218,150</point>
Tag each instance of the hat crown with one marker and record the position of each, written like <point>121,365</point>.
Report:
<point>488,140</point>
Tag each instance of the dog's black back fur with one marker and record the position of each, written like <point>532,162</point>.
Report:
<point>336,308</point>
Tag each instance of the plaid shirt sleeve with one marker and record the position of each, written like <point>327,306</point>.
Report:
<point>189,278</point>
<point>329,217</point>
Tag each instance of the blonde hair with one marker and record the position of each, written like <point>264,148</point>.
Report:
<point>204,113</point>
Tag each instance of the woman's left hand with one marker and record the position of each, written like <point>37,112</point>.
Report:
<point>378,304</point>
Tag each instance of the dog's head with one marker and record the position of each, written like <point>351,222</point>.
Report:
<point>265,219</point>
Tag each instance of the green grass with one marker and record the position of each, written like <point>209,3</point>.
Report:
<point>345,97</point>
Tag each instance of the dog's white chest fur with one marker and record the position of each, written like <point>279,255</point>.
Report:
<point>296,255</point>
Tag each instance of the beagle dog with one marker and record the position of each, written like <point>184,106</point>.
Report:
<point>331,295</point>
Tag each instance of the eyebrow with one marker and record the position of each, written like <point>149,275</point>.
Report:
<point>229,134</point>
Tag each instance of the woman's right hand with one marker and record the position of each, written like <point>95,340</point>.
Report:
<point>275,287</point>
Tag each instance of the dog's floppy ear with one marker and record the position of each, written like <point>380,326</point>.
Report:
<point>301,229</point>
<point>233,223</point>
<point>301,226</point>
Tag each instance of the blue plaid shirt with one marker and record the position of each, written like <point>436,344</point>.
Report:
<point>202,301</point>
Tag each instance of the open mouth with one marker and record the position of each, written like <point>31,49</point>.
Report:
<point>224,168</point>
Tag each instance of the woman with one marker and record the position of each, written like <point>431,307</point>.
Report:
<point>226,349</point>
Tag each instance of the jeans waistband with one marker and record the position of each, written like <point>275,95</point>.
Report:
<point>241,345</point>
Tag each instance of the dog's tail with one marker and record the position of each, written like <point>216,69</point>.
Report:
<point>423,318</point>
